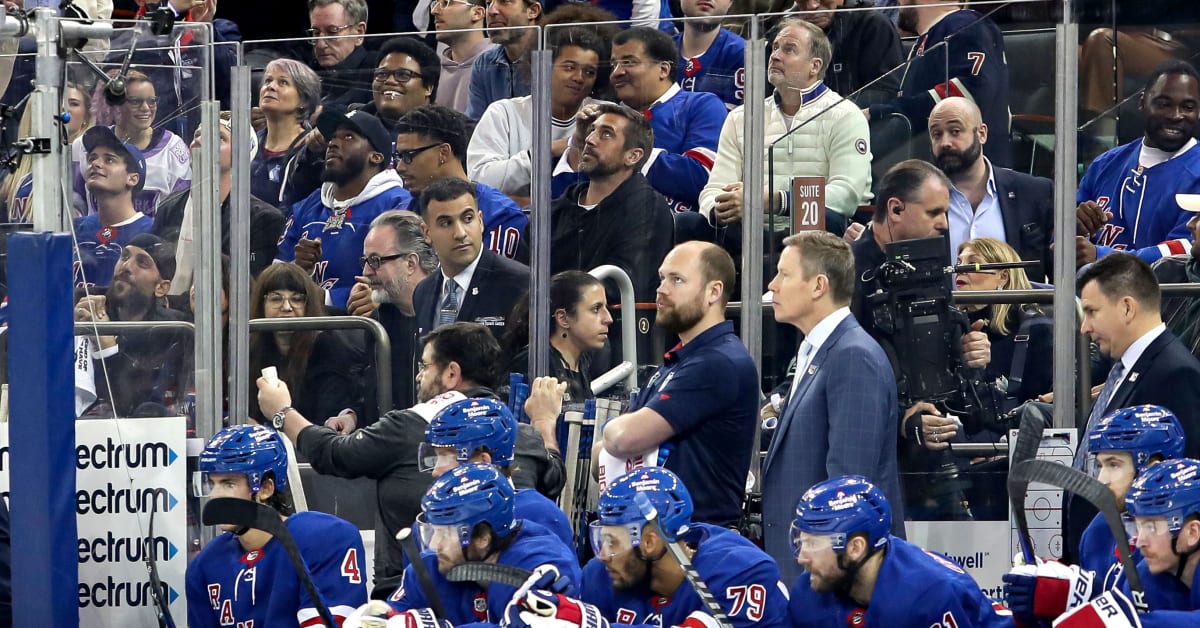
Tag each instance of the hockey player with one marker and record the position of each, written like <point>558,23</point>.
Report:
<point>484,430</point>
<point>467,516</point>
<point>1125,443</point>
<point>242,577</point>
<point>858,574</point>
<point>635,580</point>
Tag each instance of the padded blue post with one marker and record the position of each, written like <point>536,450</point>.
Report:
<point>45,564</point>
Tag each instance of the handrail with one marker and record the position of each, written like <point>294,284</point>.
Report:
<point>85,328</point>
<point>628,317</point>
<point>383,344</point>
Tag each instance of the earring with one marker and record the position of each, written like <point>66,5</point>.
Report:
<point>564,335</point>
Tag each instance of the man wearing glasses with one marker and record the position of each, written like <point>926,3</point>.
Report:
<point>337,27</point>
<point>406,77</point>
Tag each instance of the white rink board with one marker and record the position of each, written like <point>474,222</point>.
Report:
<point>1043,503</point>
<point>976,545</point>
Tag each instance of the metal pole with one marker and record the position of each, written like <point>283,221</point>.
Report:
<point>1065,339</point>
<point>752,187</point>
<point>206,214</point>
<point>49,202</point>
<point>539,269</point>
<point>628,316</point>
<point>239,247</point>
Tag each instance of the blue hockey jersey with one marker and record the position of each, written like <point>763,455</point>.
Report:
<point>915,588</point>
<point>538,508</point>
<point>687,126</point>
<point>1172,605</point>
<point>721,70</point>
<point>1146,220</point>
<point>503,219</point>
<point>341,231</point>
<point>1098,554</point>
<point>100,247</point>
<point>743,578</point>
<point>228,586</point>
<point>467,602</point>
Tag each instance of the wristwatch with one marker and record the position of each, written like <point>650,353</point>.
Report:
<point>277,418</point>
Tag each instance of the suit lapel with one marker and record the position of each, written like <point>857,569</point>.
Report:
<point>1125,391</point>
<point>1009,206</point>
<point>466,311</point>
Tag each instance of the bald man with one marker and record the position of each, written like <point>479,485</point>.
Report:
<point>986,200</point>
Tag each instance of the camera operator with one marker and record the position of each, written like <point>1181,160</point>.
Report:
<point>912,203</point>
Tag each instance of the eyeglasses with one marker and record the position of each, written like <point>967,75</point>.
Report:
<point>402,75</point>
<point>629,64</point>
<point>138,103</point>
<point>375,261</point>
<point>407,156</point>
<point>445,4</point>
<point>328,31</point>
<point>276,299</point>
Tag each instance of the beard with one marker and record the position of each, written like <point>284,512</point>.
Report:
<point>352,166</point>
<point>594,168</point>
<point>390,291</point>
<point>126,303</point>
<point>636,573</point>
<point>680,318</point>
<point>908,19</point>
<point>953,162</point>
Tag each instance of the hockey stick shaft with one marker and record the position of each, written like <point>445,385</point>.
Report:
<point>158,594</point>
<point>1029,439</point>
<point>424,579</point>
<point>247,514</point>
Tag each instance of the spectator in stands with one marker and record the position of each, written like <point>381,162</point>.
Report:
<point>17,187</point>
<point>431,143</point>
<point>406,77</point>
<point>614,217</point>
<point>474,284</point>
<point>320,364</point>
<point>174,220</point>
<point>1106,63</point>
<point>579,326</point>
<point>459,25</point>
<point>711,58</point>
<point>958,53</point>
<point>324,235</point>
<point>77,101</point>
<point>289,95</point>
<point>831,138</point>
<point>504,70</point>
<point>500,152</point>
<point>168,162</point>
<point>1184,320</point>
<point>1127,196</point>
<point>866,47</point>
<point>704,431</point>
<point>686,124</point>
<point>395,259</point>
<point>336,29</point>
<point>115,173</point>
<point>986,200</point>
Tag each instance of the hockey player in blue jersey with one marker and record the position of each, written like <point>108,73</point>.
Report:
<point>244,577</point>
<point>1124,444</point>
<point>634,580</point>
<point>484,430</point>
<point>468,516</point>
<point>1127,197</point>
<point>857,574</point>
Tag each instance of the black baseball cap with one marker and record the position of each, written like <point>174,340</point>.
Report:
<point>134,159</point>
<point>157,248</point>
<point>360,122</point>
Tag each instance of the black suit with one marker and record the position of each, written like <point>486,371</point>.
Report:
<point>1027,205</point>
<point>1166,375</point>
<point>495,287</point>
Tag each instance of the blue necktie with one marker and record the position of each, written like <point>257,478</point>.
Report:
<point>1106,395</point>
<point>449,311</point>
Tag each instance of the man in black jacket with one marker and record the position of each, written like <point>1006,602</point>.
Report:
<point>339,58</point>
<point>458,361</point>
<point>865,47</point>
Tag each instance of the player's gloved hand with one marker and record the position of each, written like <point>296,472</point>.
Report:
<point>698,619</point>
<point>1046,590</point>
<point>544,609</point>
<point>378,614</point>
<point>1111,610</point>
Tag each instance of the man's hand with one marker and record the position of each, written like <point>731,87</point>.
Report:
<point>307,253</point>
<point>205,12</point>
<point>728,208</point>
<point>315,142</point>
<point>360,303</point>
<point>976,348</point>
<point>92,309</point>
<point>544,403</point>
<point>258,119</point>
<point>343,423</point>
<point>935,430</point>
<point>583,126</point>
<point>273,396</point>
<point>854,231</point>
<point>1085,251</point>
<point>183,6</point>
<point>1046,590</point>
<point>1089,218</point>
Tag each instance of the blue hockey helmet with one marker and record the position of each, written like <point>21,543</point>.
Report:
<point>665,491</point>
<point>469,424</point>
<point>252,450</point>
<point>465,497</point>
<point>840,508</point>
<point>1142,431</point>
<point>1169,489</point>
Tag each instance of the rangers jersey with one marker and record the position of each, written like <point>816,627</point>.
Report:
<point>168,170</point>
<point>744,580</point>
<point>1145,218</point>
<point>538,508</point>
<point>100,246</point>
<point>720,70</point>
<point>687,126</point>
<point>228,586</point>
<point>342,226</point>
<point>503,219</point>
<point>1172,604</point>
<point>1098,554</point>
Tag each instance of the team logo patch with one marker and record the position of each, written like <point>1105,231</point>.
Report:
<point>691,67</point>
<point>106,235</point>
<point>251,557</point>
<point>856,618</point>
<point>860,145</point>
<point>479,606</point>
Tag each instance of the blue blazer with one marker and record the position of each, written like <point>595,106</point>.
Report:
<point>841,420</point>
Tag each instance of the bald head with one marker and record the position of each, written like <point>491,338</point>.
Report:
<point>957,135</point>
<point>956,107</point>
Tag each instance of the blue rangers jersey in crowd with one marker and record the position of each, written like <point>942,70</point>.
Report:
<point>502,218</point>
<point>341,231</point>
<point>228,586</point>
<point>915,588</point>
<point>1146,219</point>
<point>743,578</point>
<point>721,70</point>
<point>687,126</point>
<point>100,247</point>
<point>467,602</point>
<point>1098,554</point>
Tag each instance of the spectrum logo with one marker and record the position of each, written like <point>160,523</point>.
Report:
<point>111,454</point>
<point>113,500</point>
<point>115,549</point>
<point>115,593</point>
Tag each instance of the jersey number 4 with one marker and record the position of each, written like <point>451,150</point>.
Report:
<point>752,598</point>
<point>350,568</point>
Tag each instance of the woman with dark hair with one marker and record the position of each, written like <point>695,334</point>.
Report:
<point>316,365</point>
<point>579,325</point>
<point>289,94</point>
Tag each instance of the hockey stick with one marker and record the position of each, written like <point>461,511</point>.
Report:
<point>421,572</point>
<point>162,611</point>
<point>1098,495</point>
<point>247,515</point>
<point>689,570</point>
<point>489,572</point>
<point>1029,438</point>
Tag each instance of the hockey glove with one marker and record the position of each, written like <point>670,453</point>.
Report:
<point>1046,590</point>
<point>1111,610</point>
<point>378,614</point>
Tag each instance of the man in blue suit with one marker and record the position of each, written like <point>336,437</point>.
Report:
<point>840,416</point>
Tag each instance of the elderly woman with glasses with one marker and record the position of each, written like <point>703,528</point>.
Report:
<point>320,367</point>
<point>287,98</point>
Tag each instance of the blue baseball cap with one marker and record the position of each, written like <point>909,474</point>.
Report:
<point>134,159</point>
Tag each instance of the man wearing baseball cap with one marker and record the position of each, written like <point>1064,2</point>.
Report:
<point>113,172</point>
<point>325,232</point>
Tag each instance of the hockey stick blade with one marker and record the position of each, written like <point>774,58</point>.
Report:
<point>247,514</point>
<point>1029,439</point>
<point>689,571</point>
<point>489,572</point>
<point>1088,488</point>
<point>409,545</point>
